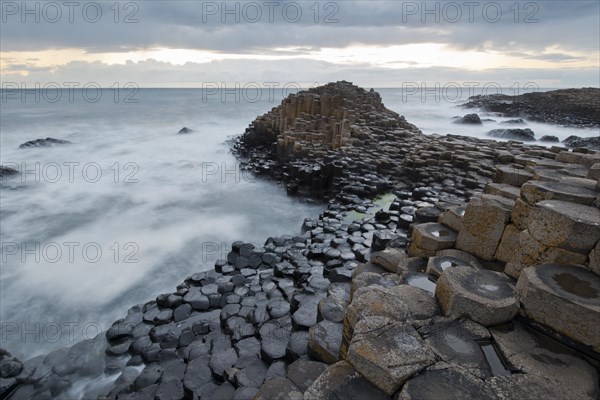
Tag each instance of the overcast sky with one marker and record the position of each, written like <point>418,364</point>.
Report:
<point>372,43</point>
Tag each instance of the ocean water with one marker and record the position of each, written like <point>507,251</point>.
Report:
<point>131,208</point>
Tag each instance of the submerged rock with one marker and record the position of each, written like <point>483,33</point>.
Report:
<point>48,142</point>
<point>185,130</point>
<point>549,138</point>
<point>6,171</point>
<point>525,135</point>
<point>472,119</point>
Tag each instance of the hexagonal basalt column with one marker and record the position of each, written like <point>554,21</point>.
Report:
<point>565,298</point>
<point>429,238</point>
<point>484,296</point>
<point>388,353</point>
<point>484,223</point>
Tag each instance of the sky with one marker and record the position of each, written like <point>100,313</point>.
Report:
<point>380,44</point>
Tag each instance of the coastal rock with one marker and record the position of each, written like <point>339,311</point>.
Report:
<point>448,383</point>
<point>472,119</point>
<point>484,222</point>
<point>484,296</point>
<point>7,171</point>
<point>549,138</point>
<point>325,341</point>
<point>430,237</point>
<point>570,107</point>
<point>536,191</point>
<point>48,142</point>
<point>184,130</point>
<point>531,352</point>
<point>576,141</point>
<point>278,389</point>
<point>569,226</point>
<point>565,298</point>
<point>304,372</point>
<point>388,353</point>
<point>525,135</point>
<point>341,381</point>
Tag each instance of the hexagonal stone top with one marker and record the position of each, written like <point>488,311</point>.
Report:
<point>484,296</point>
<point>570,282</point>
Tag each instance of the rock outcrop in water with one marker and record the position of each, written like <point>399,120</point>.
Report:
<point>48,142</point>
<point>477,278</point>
<point>7,171</point>
<point>569,107</point>
<point>524,135</point>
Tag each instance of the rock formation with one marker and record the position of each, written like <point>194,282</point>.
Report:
<point>569,107</point>
<point>478,279</point>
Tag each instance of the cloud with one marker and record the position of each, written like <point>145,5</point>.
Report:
<point>561,32</point>
<point>247,73</point>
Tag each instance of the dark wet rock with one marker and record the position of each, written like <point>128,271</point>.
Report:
<point>9,365</point>
<point>298,345</point>
<point>277,369</point>
<point>278,308</point>
<point>197,300</point>
<point>275,336</point>
<point>448,383</point>
<point>549,138</point>
<point>252,375</point>
<point>164,316</point>
<point>525,135</point>
<point>248,347</point>
<point>331,309</point>
<point>170,390</point>
<point>244,393</point>
<point>388,353</point>
<point>220,361</point>
<point>197,374</point>
<point>7,171</point>
<point>570,107</point>
<point>149,376</point>
<point>341,381</point>
<point>325,341</point>
<point>224,391</point>
<point>118,348</point>
<point>182,312</point>
<point>7,385</point>
<point>184,130</point>
<point>576,141</point>
<point>518,121</point>
<point>484,296</point>
<point>306,315</point>
<point>471,119</point>
<point>304,372</point>
<point>279,389</point>
<point>48,142</point>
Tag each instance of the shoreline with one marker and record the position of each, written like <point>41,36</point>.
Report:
<point>317,294</point>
